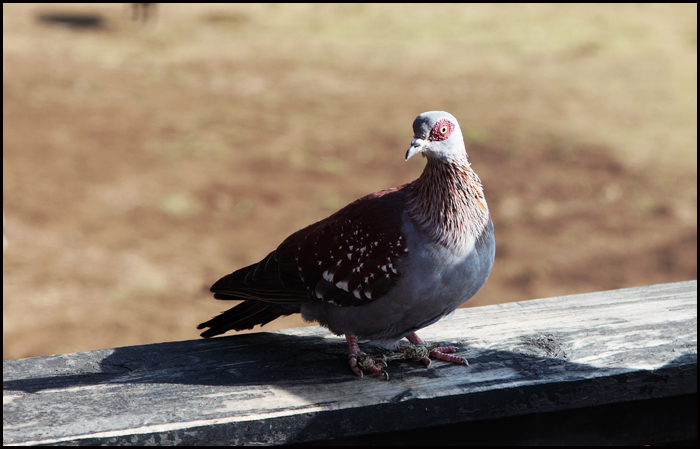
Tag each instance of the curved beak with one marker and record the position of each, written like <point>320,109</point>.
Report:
<point>417,146</point>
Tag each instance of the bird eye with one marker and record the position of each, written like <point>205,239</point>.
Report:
<point>441,130</point>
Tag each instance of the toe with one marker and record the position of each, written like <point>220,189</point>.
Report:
<point>353,365</point>
<point>449,358</point>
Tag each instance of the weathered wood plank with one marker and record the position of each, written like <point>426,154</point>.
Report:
<point>294,386</point>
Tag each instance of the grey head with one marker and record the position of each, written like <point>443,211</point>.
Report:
<point>437,134</point>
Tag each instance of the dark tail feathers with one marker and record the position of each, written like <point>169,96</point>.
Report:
<point>246,315</point>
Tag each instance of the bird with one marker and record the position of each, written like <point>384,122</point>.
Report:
<point>382,267</point>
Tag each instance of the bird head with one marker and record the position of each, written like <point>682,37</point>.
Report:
<point>437,134</point>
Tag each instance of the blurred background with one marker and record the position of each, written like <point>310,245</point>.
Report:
<point>148,152</point>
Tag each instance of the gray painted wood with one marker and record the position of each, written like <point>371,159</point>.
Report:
<point>294,386</point>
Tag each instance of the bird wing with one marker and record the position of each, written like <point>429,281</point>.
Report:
<point>349,258</point>
<point>259,281</point>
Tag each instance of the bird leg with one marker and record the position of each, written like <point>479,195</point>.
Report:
<point>360,361</point>
<point>420,350</point>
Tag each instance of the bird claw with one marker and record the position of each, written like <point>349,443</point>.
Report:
<point>440,355</point>
<point>423,352</point>
<point>363,362</point>
<point>416,350</point>
<point>437,351</point>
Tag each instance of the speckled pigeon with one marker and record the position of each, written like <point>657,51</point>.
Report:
<point>382,267</point>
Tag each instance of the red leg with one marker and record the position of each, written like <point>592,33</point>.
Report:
<point>415,339</point>
<point>354,349</point>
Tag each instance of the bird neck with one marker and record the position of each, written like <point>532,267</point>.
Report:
<point>447,203</point>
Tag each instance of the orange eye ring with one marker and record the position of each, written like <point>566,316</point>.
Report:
<point>443,129</point>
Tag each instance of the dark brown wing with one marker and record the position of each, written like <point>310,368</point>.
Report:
<point>349,258</point>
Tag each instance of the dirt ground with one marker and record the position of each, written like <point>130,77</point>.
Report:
<point>141,162</point>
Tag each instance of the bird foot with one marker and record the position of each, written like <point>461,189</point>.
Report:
<point>424,352</point>
<point>416,350</point>
<point>360,361</point>
<point>420,350</point>
<point>363,362</point>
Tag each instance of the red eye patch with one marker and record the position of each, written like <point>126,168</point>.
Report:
<point>442,130</point>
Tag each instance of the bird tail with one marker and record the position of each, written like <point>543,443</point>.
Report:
<point>265,297</point>
<point>246,315</point>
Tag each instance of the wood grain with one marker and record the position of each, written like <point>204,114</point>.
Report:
<point>295,386</point>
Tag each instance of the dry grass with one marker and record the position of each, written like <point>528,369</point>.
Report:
<point>142,163</point>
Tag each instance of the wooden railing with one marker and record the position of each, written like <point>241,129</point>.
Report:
<point>614,367</point>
